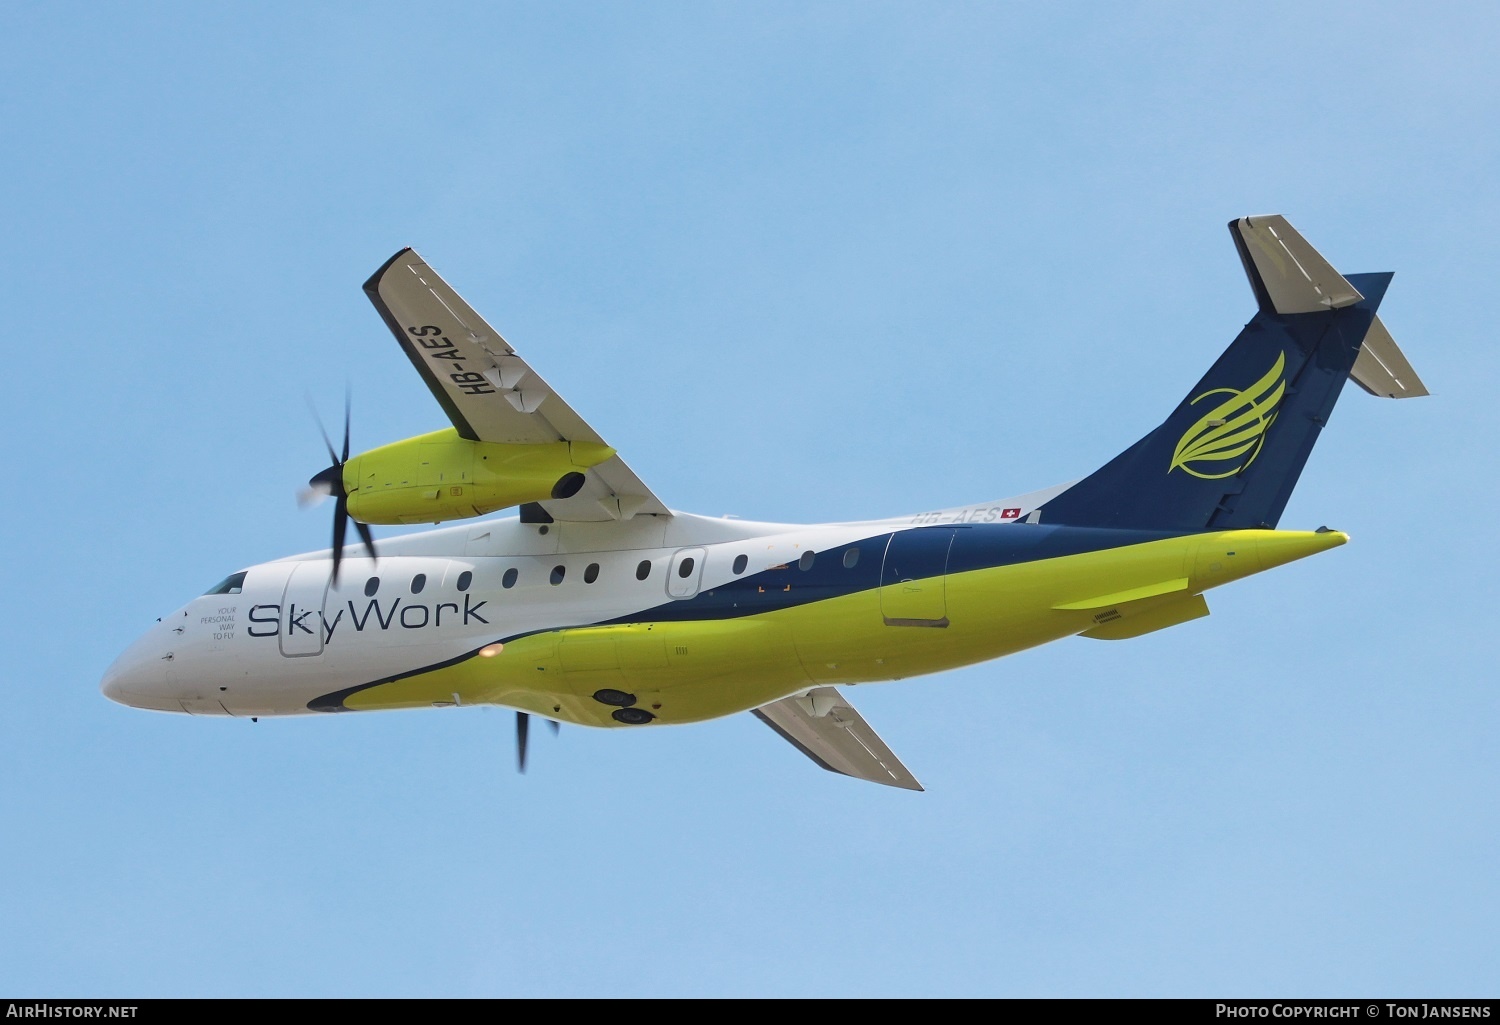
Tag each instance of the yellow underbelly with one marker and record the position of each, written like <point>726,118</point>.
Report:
<point>689,671</point>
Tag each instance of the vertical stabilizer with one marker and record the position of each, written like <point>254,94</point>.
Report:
<point>1231,452</point>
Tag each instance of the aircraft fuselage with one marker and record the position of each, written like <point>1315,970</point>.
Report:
<point>689,617</point>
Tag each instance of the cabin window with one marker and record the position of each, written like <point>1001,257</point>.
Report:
<point>509,580</point>
<point>464,580</point>
<point>591,574</point>
<point>418,582</point>
<point>805,563</point>
<point>685,569</point>
<point>643,570</point>
<point>371,586</point>
<point>740,562</point>
<point>851,558</point>
<point>558,572</point>
<point>232,584</point>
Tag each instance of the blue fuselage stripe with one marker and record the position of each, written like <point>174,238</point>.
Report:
<point>925,552</point>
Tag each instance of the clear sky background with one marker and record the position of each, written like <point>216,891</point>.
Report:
<point>798,262</point>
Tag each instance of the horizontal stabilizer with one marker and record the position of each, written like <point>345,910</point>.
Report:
<point>1286,273</point>
<point>1381,367</point>
<point>822,725</point>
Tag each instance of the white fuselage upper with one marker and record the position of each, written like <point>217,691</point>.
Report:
<point>285,636</point>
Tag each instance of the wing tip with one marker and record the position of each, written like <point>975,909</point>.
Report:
<point>373,283</point>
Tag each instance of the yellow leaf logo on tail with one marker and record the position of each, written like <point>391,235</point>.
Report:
<point>1233,431</point>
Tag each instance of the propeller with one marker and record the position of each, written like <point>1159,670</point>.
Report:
<point>523,724</point>
<point>331,482</point>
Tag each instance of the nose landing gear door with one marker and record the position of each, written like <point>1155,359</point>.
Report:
<point>302,609</point>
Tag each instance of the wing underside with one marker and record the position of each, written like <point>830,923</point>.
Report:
<point>825,727</point>
<point>489,392</point>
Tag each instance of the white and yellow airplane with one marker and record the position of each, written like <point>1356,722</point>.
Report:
<point>601,606</point>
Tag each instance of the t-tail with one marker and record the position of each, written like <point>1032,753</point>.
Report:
<point>1231,452</point>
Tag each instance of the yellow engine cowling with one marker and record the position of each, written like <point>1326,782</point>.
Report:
<point>440,476</point>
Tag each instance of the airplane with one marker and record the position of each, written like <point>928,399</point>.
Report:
<point>597,605</point>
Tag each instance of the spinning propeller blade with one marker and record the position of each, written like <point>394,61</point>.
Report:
<point>523,728</point>
<point>331,482</point>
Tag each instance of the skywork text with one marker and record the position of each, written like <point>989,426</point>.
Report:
<point>270,620</point>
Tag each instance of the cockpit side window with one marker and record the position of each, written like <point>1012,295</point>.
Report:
<point>232,584</point>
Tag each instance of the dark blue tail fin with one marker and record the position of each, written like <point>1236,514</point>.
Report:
<point>1230,454</point>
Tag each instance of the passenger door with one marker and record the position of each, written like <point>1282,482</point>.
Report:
<point>302,609</point>
<point>685,572</point>
<point>911,578</point>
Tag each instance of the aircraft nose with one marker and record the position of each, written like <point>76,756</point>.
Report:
<point>113,684</point>
<point>138,678</point>
<point>127,680</point>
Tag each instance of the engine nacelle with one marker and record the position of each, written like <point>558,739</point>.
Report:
<point>440,476</point>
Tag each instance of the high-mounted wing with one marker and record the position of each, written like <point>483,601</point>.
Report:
<point>825,727</point>
<point>489,392</point>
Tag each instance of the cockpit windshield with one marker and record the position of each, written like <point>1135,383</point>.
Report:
<point>232,584</point>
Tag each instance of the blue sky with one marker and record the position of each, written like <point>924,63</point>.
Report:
<point>797,262</point>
